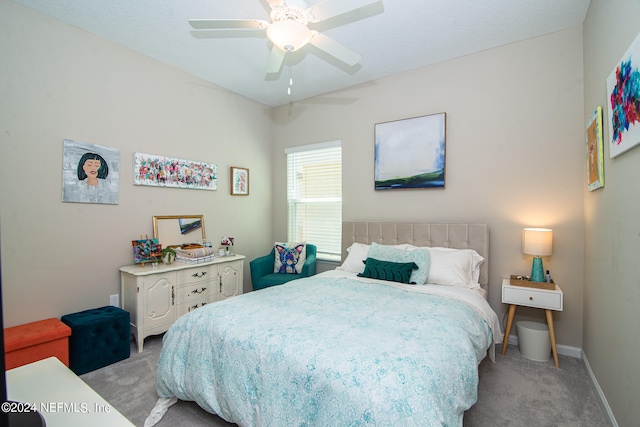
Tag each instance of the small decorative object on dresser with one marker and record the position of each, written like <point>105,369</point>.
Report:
<point>168,255</point>
<point>155,298</point>
<point>146,250</point>
<point>227,242</point>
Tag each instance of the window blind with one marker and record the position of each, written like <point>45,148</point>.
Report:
<point>314,197</point>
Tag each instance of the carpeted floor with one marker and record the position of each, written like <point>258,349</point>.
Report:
<point>513,392</point>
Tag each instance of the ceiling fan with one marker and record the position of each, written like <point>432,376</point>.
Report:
<point>289,30</point>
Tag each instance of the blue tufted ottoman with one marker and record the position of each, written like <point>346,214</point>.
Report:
<point>99,337</point>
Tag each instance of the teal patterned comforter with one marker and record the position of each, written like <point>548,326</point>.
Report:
<point>328,352</point>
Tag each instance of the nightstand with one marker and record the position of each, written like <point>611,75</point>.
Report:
<point>548,300</point>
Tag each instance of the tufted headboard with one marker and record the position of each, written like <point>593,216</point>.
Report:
<point>448,235</point>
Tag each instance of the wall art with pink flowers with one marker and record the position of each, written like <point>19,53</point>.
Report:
<point>160,171</point>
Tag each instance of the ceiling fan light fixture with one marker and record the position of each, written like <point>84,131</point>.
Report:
<point>289,35</point>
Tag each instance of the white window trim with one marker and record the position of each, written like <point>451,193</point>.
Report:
<point>312,147</point>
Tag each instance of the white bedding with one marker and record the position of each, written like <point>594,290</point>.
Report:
<point>333,349</point>
<point>476,297</point>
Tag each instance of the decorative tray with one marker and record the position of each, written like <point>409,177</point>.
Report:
<point>520,281</point>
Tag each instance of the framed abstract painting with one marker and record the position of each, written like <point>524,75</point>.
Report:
<point>410,153</point>
<point>239,181</point>
<point>146,250</point>
<point>161,171</point>
<point>623,103</point>
<point>595,156</point>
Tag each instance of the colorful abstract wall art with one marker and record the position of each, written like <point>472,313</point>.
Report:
<point>90,173</point>
<point>146,250</point>
<point>159,171</point>
<point>623,89</point>
<point>239,181</point>
<point>595,156</point>
<point>409,153</point>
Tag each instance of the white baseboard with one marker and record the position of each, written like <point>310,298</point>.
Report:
<point>564,350</point>
<point>601,395</point>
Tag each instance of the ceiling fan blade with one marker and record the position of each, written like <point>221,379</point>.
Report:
<point>330,8</point>
<point>335,49</point>
<point>274,3</point>
<point>276,58</point>
<point>217,24</point>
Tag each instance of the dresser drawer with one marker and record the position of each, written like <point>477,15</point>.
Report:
<point>188,293</point>
<point>550,300</point>
<point>188,307</point>
<point>197,274</point>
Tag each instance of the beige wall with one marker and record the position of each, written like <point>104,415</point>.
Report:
<point>514,154</point>
<point>59,82</point>
<point>612,224</point>
<point>515,158</point>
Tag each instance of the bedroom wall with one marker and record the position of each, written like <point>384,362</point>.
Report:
<point>612,229</point>
<point>60,82</point>
<point>514,155</point>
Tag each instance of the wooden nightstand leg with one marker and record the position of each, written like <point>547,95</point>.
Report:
<point>512,312</point>
<point>552,335</point>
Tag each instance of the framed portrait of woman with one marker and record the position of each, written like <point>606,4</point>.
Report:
<point>90,173</point>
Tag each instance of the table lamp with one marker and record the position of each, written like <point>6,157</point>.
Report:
<point>537,242</point>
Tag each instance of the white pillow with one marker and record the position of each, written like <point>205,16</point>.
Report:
<point>357,255</point>
<point>455,267</point>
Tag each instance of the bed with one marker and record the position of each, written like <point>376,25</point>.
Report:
<point>341,349</point>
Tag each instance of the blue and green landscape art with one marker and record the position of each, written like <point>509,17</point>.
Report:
<point>410,153</point>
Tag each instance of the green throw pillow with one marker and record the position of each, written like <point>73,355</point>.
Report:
<point>420,256</point>
<point>387,270</point>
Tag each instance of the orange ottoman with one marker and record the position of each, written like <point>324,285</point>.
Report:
<point>35,341</point>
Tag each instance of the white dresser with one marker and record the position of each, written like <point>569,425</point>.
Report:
<point>156,297</point>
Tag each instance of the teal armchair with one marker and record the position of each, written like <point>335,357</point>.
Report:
<point>262,275</point>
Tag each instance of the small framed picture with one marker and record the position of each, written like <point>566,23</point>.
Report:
<point>239,181</point>
<point>595,157</point>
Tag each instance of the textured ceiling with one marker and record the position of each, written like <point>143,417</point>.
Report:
<point>391,35</point>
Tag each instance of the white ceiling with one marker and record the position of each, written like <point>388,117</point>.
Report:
<point>391,35</point>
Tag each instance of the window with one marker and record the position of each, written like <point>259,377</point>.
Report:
<point>314,197</point>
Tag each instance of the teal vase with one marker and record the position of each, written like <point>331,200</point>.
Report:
<point>537,271</point>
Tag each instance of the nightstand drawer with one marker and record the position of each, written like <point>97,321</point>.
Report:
<point>549,300</point>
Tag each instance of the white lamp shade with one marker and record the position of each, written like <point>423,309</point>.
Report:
<point>537,241</point>
<point>289,35</point>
